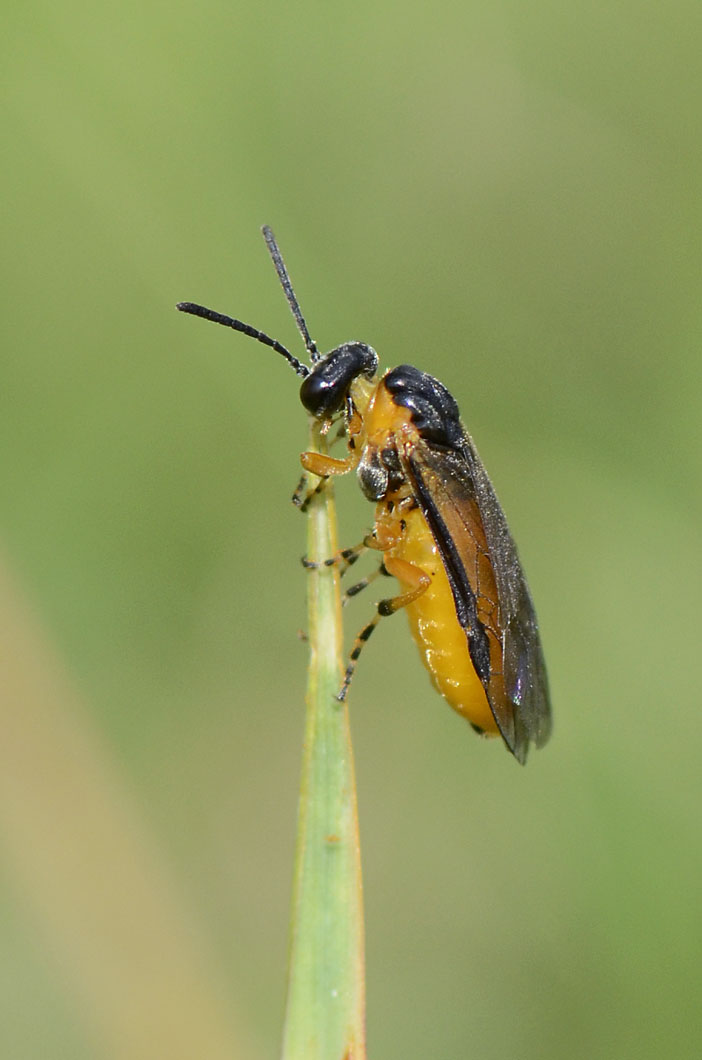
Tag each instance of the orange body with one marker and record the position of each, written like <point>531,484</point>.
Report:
<point>436,631</point>
<point>404,536</point>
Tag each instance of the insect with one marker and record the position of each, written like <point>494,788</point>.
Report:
<point>438,526</point>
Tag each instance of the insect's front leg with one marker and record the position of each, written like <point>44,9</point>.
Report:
<point>324,467</point>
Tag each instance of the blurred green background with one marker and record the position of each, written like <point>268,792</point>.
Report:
<point>505,195</point>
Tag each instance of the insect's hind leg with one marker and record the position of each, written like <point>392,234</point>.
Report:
<point>354,590</point>
<point>406,573</point>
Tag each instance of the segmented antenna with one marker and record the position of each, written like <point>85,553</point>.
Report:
<point>246,329</point>
<point>286,284</point>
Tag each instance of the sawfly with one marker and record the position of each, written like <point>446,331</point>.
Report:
<point>438,527</point>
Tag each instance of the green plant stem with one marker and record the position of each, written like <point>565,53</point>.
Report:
<point>325,1010</point>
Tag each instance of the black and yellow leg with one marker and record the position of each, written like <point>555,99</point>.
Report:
<point>343,559</point>
<point>304,495</point>
<point>354,590</point>
<point>324,467</point>
<point>301,491</point>
<point>407,574</point>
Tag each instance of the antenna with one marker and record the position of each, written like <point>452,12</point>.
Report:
<point>286,284</point>
<point>246,329</point>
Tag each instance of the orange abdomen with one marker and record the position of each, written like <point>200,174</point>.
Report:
<point>442,642</point>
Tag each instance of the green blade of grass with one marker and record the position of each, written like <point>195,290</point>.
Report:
<point>325,1009</point>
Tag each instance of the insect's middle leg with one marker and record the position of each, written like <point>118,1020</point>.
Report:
<point>406,573</point>
<point>343,559</point>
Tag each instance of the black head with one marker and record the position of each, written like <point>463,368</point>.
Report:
<point>325,389</point>
<point>327,382</point>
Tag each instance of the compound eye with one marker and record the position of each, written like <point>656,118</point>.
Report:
<point>321,396</point>
<point>324,390</point>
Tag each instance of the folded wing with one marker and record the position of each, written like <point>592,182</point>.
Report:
<point>492,598</point>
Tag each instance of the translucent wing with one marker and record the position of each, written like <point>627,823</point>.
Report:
<point>492,599</point>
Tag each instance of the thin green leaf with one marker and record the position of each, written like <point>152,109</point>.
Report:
<point>325,1011</point>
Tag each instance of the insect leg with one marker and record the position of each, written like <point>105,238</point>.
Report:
<point>303,495</point>
<point>343,559</point>
<point>354,590</point>
<point>300,491</point>
<point>346,557</point>
<point>418,580</point>
<point>322,466</point>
